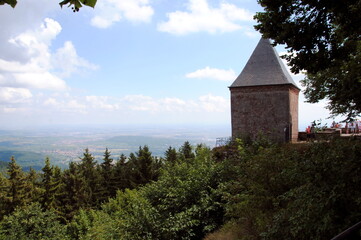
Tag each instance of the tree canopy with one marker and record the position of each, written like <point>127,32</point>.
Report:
<point>75,4</point>
<point>323,40</point>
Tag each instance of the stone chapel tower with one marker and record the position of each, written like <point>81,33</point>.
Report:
<point>264,98</point>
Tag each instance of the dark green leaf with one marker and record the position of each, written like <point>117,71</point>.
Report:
<point>12,3</point>
<point>90,3</point>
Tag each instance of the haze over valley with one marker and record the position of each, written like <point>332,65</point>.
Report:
<point>63,144</point>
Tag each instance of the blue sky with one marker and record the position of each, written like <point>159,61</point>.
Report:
<point>126,62</point>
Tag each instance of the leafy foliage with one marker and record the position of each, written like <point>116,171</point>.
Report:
<point>185,197</point>
<point>246,190</point>
<point>76,4</point>
<point>32,223</point>
<point>296,191</point>
<point>323,39</point>
<point>12,3</point>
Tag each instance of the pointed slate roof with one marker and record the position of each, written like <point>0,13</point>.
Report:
<point>264,67</point>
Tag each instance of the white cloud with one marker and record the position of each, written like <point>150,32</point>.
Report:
<point>51,102</point>
<point>139,103</point>
<point>67,60</point>
<point>212,103</point>
<point>61,108</point>
<point>39,67</point>
<point>44,80</point>
<point>14,95</point>
<point>26,15</point>
<point>35,72</point>
<point>75,105</point>
<point>206,103</point>
<point>101,102</point>
<point>110,11</point>
<point>201,17</point>
<point>213,73</point>
<point>65,104</point>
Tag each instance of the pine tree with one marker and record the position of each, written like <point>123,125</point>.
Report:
<point>186,152</point>
<point>17,185</point>
<point>121,174</point>
<point>56,189</point>
<point>107,174</point>
<point>4,188</point>
<point>46,183</point>
<point>92,180</point>
<point>74,191</point>
<point>51,183</point>
<point>171,155</point>
<point>32,187</point>
<point>144,167</point>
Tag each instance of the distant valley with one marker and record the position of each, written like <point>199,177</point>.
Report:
<point>65,144</point>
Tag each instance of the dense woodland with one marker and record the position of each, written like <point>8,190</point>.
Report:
<point>245,190</point>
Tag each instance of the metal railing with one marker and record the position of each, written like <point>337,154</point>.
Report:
<point>348,232</point>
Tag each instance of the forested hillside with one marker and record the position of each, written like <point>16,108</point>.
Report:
<point>246,190</point>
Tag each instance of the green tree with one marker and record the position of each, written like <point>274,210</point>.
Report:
<point>107,175</point>
<point>186,197</point>
<point>73,190</point>
<point>47,175</point>
<point>51,183</point>
<point>121,174</point>
<point>171,155</point>
<point>294,191</point>
<point>77,4</point>
<point>17,186</point>
<point>129,216</point>
<point>4,186</point>
<point>92,179</point>
<point>56,189</point>
<point>144,167</point>
<point>186,152</point>
<point>94,225</point>
<point>32,188</point>
<point>323,39</point>
<point>32,223</point>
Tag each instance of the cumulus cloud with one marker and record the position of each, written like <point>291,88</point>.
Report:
<point>101,102</point>
<point>34,72</point>
<point>14,95</point>
<point>67,61</point>
<point>60,108</point>
<point>27,15</point>
<point>39,70</point>
<point>211,103</point>
<point>201,17</point>
<point>213,73</point>
<point>206,103</point>
<point>110,11</point>
<point>139,103</point>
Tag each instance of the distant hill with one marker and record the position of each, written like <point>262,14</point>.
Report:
<point>25,159</point>
<point>3,166</point>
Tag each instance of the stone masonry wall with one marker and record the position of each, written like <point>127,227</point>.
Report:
<point>294,92</point>
<point>264,110</point>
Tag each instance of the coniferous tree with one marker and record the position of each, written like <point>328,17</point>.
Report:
<point>56,189</point>
<point>92,180</point>
<point>4,188</point>
<point>107,174</point>
<point>51,183</point>
<point>171,155</point>
<point>186,152</point>
<point>74,191</point>
<point>47,175</point>
<point>144,167</point>
<point>121,174</point>
<point>17,185</point>
<point>32,187</point>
